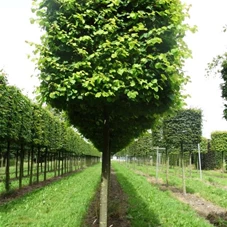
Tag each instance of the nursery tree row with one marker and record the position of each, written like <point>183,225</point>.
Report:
<point>28,131</point>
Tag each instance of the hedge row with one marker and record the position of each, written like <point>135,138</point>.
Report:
<point>22,121</point>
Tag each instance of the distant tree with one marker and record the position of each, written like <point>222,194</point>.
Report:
<point>184,131</point>
<point>219,144</point>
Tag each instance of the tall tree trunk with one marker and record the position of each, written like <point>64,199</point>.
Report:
<point>45,164</point>
<point>167,167</point>
<point>59,163</point>
<point>183,170</point>
<point>31,167</point>
<point>21,165</point>
<point>190,164</point>
<point>7,170</point>
<point>29,162</point>
<point>16,172</point>
<point>223,162</point>
<point>104,194</point>
<point>37,165</point>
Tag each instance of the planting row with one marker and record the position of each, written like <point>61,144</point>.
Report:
<point>63,203</point>
<point>149,206</point>
<point>212,185</point>
<point>23,123</point>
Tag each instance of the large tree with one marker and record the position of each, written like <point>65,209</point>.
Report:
<point>114,66</point>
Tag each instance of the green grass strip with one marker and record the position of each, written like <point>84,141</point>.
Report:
<point>63,203</point>
<point>211,193</point>
<point>148,206</point>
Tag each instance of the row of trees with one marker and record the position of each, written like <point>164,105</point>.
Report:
<point>23,122</point>
<point>178,140</point>
<point>28,131</point>
<point>180,132</point>
<point>212,150</point>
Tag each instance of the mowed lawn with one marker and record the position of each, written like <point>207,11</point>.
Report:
<point>63,203</point>
<point>151,207</point>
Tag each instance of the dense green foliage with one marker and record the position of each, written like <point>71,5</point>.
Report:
<point>185,127</point>
<point>219,141</point>
<point>23,122</point>
<point>112,61</point>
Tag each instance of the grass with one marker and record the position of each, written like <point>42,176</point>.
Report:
<point>205,188</point>
<point>148,206</point>
<point>63,203</point>
<point>14,182</point>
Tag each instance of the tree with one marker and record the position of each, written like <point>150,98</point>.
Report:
<point>218,144</point>
<point>219,66</point>
<point>113,65</point>
<point>183,130</point>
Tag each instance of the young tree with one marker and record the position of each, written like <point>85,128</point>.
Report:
<point>183,130</point>
<point>219,144</point>
<point>113,65</point>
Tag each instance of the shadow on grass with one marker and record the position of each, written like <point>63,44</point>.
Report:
<point>139,212</point>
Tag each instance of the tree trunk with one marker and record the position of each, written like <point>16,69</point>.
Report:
<point>7,179</point>
<point>29,163</point>
<point>21,173</point>
<point>45,164</point>
<point>59,163</point>
<point>31,167</point>
<point>16,172</point>
<point>37,165</point>
<point>183,170</point>
<point>105,175</point>
<point>167,167</point>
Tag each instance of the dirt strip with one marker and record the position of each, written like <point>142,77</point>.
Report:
<point>215,214</point>
<point>117,210</point>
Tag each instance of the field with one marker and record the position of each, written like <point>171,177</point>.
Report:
<point>137,199</point>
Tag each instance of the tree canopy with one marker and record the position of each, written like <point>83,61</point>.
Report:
<point>219,141</point>
<point>112,61</point>
<point>185,126</point>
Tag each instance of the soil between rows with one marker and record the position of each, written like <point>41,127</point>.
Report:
<point>215,214</point>
<point>117,210</point>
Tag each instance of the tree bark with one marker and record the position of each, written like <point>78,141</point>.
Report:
<point>105,175</point>
<point>45,164</point>
<point>183,170</point>
<point>167,167</point>
<point>37,165</point>
<point>7,170</point>
<point>31,167</point>
<point>21,173</point>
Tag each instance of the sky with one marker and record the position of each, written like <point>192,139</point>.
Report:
<point>209,41</point>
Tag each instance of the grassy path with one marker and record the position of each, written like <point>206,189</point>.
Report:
<point>61,204</point>
<point>151,207</point>
<point>205,189</point>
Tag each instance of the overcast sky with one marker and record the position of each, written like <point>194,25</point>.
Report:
<point>209,15</point>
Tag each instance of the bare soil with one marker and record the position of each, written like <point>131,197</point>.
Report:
<point>117,210</point>
<point>216,215</point>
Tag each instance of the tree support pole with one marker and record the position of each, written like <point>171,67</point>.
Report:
<point>105,178</point>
